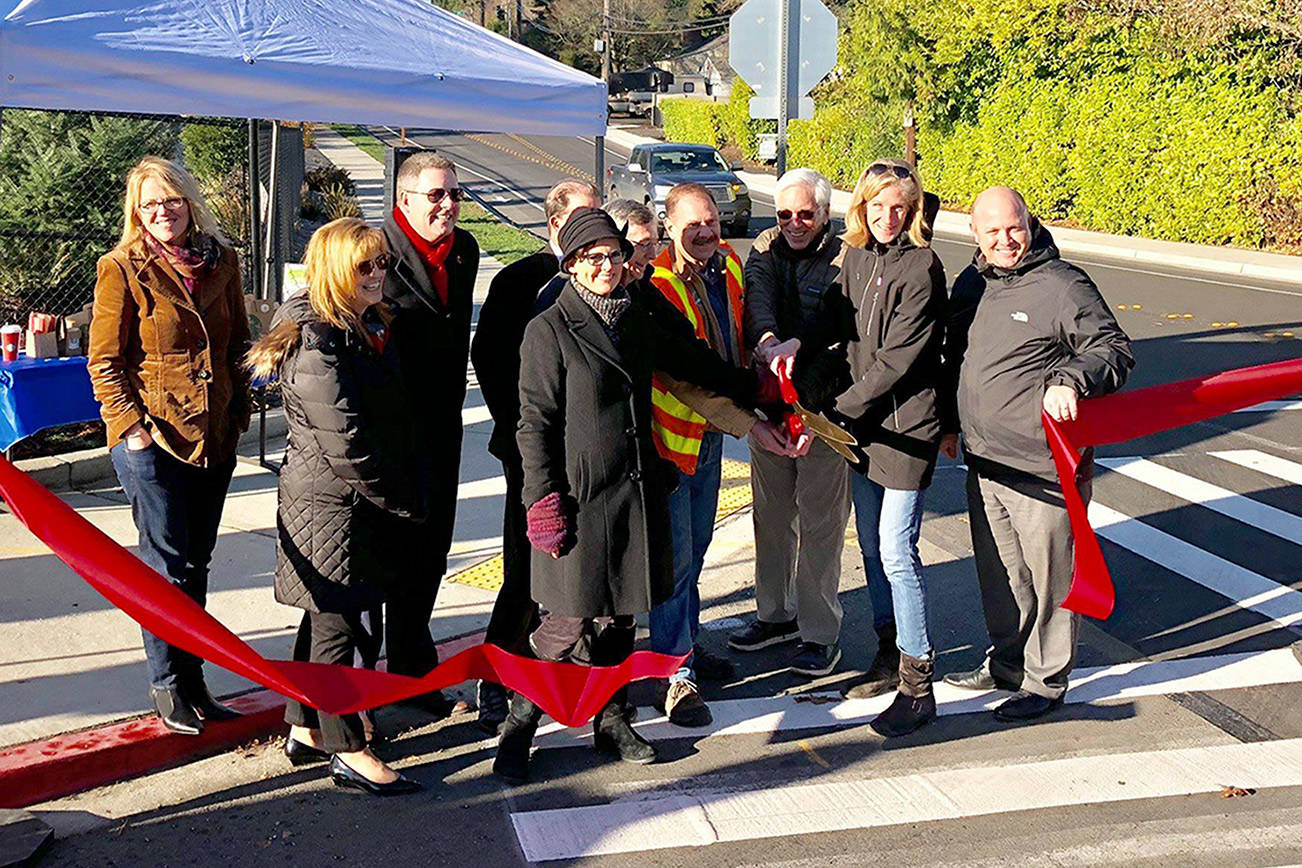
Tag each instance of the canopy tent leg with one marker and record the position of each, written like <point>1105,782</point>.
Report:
<point>599,172</point>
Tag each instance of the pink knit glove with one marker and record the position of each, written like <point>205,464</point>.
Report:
<point>550,528</point>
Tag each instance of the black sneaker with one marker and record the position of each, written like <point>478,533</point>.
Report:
<point>813,659</point>
<point>761,634</point>
<point>710,667</point>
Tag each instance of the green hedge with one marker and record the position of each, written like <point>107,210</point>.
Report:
<point>696,121</point>
<point>1139,154</point>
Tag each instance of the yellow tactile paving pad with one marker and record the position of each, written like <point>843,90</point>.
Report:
<point>734,495</point>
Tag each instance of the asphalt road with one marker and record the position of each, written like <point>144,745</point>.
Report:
<point>1202,528</point>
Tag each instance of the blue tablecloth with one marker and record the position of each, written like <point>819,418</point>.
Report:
<point>42,393</point>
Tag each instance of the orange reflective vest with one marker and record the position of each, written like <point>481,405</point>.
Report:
<point>675,427</point>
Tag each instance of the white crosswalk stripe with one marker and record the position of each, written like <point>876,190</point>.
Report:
<point>1271,465</point>
<point>1276,521</point>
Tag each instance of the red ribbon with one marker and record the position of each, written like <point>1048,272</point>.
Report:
<point>571,694</point>
<point>1129,415</point>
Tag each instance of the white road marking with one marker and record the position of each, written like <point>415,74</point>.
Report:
<point>704,817</point>
<point>1282,524</point>
<point>475,415</point>
<point>1248,590</point>
<point>769,714</point>
<point>1271,465</point>
<point>493,486</point>
<point>1271,407</point>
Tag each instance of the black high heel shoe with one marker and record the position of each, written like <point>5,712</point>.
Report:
<point>346,776</point>
<point>300,754</point>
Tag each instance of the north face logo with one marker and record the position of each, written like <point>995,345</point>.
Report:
<point>1020,317</point>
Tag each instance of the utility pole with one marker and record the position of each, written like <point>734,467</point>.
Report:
<point>482,5</point>
<point>519,20</point>
<point>605,42</point>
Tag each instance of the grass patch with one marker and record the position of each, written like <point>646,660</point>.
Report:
<point>362,139</point>
<point>503,242</point>
<point>499,240</point>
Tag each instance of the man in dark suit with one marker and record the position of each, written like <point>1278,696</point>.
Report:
<point>495,351</point>
<point>431,284</point>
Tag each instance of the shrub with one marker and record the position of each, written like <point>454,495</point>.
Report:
<point>61,184</point>
<point>841,139</point>
<point>692,121</point>
<point>213,151</point>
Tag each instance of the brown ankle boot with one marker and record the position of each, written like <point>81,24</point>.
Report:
<point>914,705</point>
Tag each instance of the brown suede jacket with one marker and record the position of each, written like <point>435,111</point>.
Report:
<point>174,363</point>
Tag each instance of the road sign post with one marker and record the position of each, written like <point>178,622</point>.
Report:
<point>782,48</point>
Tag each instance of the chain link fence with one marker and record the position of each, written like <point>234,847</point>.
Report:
<point>62,180</point>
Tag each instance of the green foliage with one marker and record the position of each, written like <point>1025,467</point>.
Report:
<point>61,182</point>
<point>694,121</point>
<point>841,139</point>
<point>738,126</point>
<point>213,151</point>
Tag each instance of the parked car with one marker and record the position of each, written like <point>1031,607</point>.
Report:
<point>653,169</point>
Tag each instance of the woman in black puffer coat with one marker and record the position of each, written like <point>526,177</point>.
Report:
<point>350,485</point>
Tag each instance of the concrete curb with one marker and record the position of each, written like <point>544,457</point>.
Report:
<point>74,762</point>
<point>1220,261</point>
<point>77,470</point>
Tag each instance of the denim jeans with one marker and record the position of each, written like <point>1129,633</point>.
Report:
<point>176,508</point>
<point>889,521</point>
<point>676,622</point>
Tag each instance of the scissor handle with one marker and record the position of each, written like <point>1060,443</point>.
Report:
<point>787,388</point>
<point>794,425</point>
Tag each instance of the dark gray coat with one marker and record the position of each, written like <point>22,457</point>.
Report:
<point>887,311</point>
<point>350,485</point>
<point>1014,332</point>
<point>585,432</point>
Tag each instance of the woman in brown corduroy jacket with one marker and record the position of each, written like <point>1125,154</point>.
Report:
<point>167,341</point>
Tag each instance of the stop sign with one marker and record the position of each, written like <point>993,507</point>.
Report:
<point>755,51</point>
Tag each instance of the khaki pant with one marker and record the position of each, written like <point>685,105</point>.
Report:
<point>801,509</point>
<point>1022,545</point>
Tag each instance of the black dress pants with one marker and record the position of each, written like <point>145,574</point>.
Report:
<point>409,602</point>
<point>515,614</point>
<point>326,637</point>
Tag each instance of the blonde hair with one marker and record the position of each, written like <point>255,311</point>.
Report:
<point>333,254</point>
<point>330,264</point>
<point>178,182</point>
<point>857,233</point>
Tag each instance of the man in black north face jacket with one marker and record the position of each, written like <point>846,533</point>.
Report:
<point>1027,332</point>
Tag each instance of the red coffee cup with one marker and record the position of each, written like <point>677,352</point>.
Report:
<point>10,337</point>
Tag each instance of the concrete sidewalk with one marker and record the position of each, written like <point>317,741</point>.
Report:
<point>1221,261</point>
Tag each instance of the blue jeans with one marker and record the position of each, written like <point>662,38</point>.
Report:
<point>889,521</point>
<point>676,622</point>
<point>176,508</point>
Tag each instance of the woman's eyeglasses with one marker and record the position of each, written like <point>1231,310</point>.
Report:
<point>172,204</point>
<point>596,260</point>
<point>379,263</point>
<point>804,214</point>
<point>435,196</point>
<point>900,172</point>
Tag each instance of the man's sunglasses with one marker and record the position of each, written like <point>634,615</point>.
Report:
<point>900,172</point>
<point>804,214</point>
<point>379,263</point>
<point>435,196</point>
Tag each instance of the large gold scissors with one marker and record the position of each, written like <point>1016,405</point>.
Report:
<point>826,430</point>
